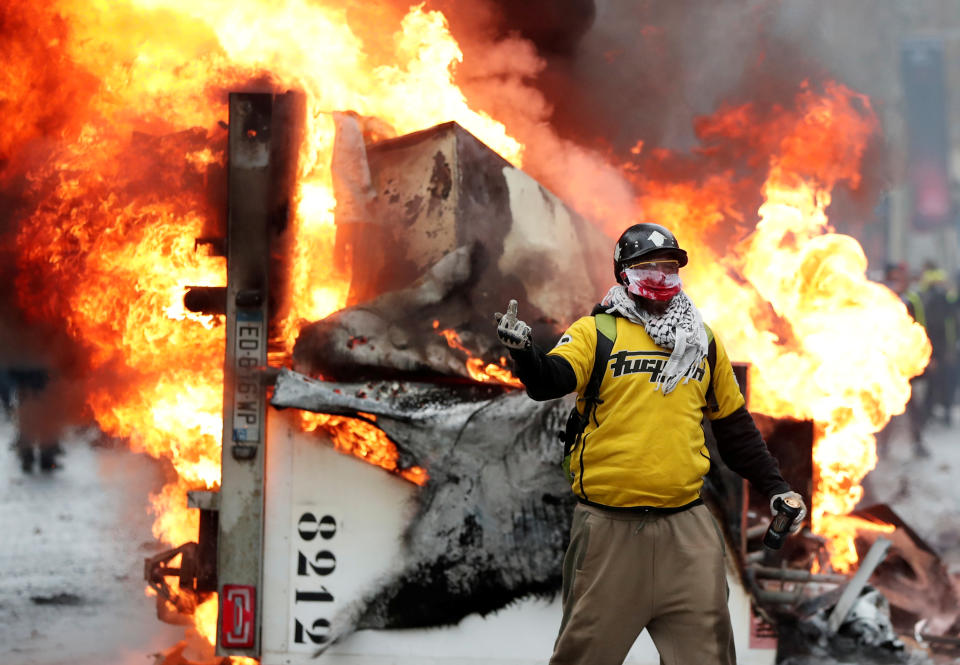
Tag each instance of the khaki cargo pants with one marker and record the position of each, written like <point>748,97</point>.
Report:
<point>624,572</point>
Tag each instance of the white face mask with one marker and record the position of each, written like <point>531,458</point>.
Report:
<point>652,284</point>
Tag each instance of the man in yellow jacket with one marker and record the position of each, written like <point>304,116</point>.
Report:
<point>644,551</point>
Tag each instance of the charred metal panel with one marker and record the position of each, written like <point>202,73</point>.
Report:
<point>413,177</point>
<point>490,526</point>
<point>912,577</point>
<point>440,189</point>
<point>436,227</point>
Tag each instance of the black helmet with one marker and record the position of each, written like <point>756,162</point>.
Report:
<point>642,240</point>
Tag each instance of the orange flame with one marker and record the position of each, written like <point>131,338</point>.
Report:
<point>476,368</point>
<point>364,440</point>
<point>205,618</point>
<point>823,341</point>
<point>107,245</point>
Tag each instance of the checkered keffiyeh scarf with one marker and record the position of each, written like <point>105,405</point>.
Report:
<point>679,328</point>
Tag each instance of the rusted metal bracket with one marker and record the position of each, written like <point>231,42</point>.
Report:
<point>156,570</point>
<point>197,572</point>
<point>798,577</point>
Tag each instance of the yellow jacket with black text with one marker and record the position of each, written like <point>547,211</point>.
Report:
<point>643,449</point>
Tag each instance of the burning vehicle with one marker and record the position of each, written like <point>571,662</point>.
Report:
<point>477,524</point>
<point>478,521</point>
<point>349,261</point>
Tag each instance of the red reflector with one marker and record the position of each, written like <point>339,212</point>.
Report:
<point>237,611</point>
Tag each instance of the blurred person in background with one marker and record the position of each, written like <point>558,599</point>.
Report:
<point>953,377</point>
<point>897,278</point>
<point>7,389</point>
<point>940,309</point>
<point>38,418</point>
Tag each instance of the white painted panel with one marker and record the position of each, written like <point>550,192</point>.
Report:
<point>343,556</point>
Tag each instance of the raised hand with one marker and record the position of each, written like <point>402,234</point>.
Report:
<point>514,333</point>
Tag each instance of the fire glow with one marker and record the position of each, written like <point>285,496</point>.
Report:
<point>824,342</point>
<point>478,369</point>
<point>106,246</point>
<point>116,161</point>
<point>362,439</point>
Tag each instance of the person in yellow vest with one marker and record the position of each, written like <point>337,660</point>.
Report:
<point>941,325</point>
<point>953,375</point>
<point>644,552</point>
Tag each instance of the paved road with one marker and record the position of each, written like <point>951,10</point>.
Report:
<point>925,492</point>
<point>72,544</point>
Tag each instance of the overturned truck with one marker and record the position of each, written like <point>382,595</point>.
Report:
<point>455,553</point>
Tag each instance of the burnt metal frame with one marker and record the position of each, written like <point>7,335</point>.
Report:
<point>240,540</point>
<point>265,131</point>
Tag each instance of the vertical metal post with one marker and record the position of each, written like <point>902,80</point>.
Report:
<point>244,397</point>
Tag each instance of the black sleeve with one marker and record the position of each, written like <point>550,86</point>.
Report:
<point>743,450</point>
<point>545,377</point>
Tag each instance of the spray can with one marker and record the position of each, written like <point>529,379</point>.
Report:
<point>787,510</point>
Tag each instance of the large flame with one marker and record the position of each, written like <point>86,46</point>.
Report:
<point>791,297</point>
<point>363,439</point>
<point>123,194</point>
<point>479,370</point>
<point>106,242</point>
<point>114,142</point>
